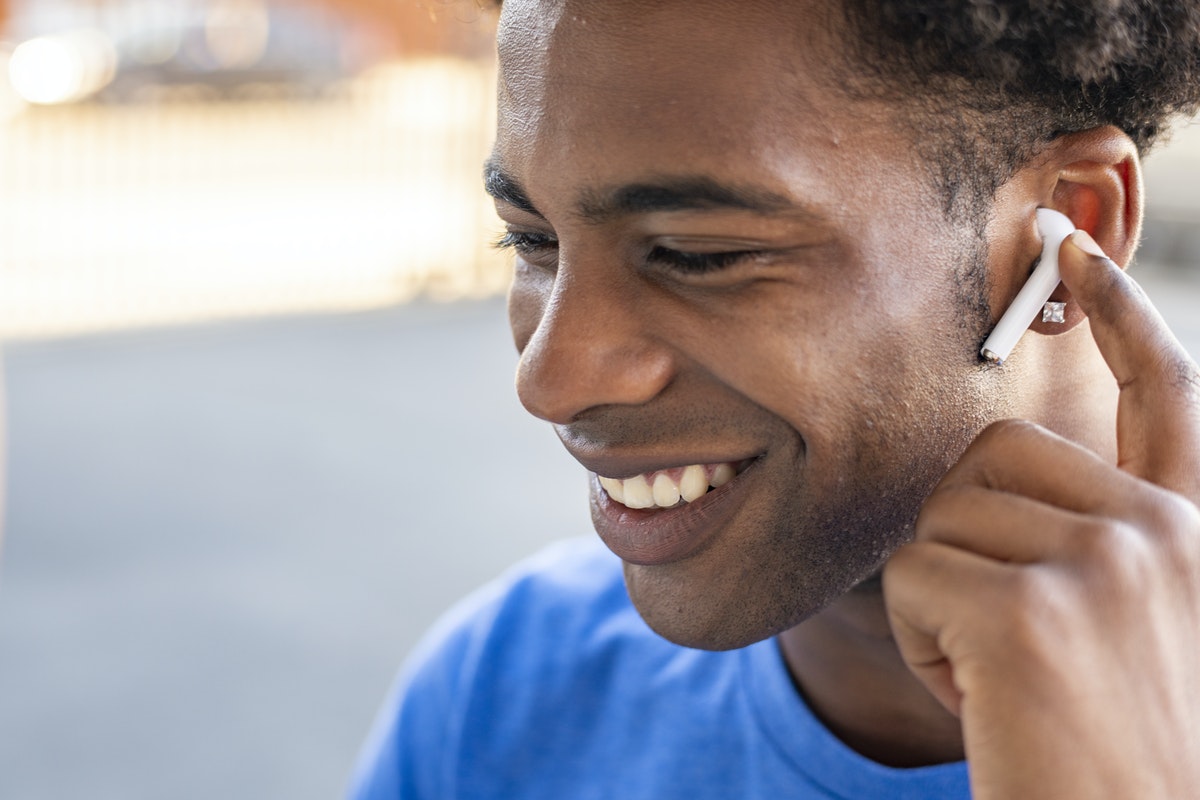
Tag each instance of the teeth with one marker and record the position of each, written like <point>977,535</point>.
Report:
<point>638,493</point>
<point>693,484</point>
<point>722,475</point>
<point>664,491</point>
<point>615,488</point>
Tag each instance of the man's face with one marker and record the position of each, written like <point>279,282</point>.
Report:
<point>826,352</point>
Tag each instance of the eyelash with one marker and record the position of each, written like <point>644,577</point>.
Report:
<point>525,243</point>
<point>696,263</point>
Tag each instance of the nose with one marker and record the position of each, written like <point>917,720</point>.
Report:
<point>593,346</point>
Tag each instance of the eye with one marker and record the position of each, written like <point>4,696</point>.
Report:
<point>699,263</point>
<point>526,243</point>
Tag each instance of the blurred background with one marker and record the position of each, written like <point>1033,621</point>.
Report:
<point>165,161</point>
<point>261,422</point>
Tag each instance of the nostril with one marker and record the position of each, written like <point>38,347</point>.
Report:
<point>560,378</point>
<point>536,389</point>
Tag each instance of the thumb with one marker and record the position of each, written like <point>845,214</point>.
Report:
<point>1158,415</point>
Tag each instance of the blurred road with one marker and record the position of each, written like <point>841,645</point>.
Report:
<point>222,540</point>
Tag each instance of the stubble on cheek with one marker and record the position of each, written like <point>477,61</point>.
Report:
<point>870,510</point>
<point>912,415</point>
<point>907,410</point>
<point>787,558</point>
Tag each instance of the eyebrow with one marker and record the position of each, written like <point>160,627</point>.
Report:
<point>679,193</point>
<point>504,187</point>
<point>686,193</point>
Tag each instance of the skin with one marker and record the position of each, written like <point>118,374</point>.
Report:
<point>842,358</point>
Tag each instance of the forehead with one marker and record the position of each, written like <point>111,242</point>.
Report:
<point>625,82</point>
<point>645,48</point>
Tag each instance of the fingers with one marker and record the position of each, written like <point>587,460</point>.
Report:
<point>1000,526</point>
<point>1023,495</point>
<point>1158,418</point>
<point>1021,458</point>
<point>1049,598</point>
<point>931,589</point>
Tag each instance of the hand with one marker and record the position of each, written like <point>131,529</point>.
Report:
<point>1052,600</point>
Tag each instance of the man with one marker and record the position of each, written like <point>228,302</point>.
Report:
<point>758,247</point>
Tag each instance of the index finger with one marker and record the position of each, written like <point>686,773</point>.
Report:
<point>1158,415</point>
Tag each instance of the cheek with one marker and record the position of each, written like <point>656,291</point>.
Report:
<point>868,377</point>
<point>815,353</point>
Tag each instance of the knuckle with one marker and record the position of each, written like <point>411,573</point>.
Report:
<point>1127,559</point>
<point>1186,376</point>
<point>1028,589</point>
<point>1100,538</point>
<point>1035,615</point>
<point>1174,523</point>
<point>1120,554</point>
<point>1171,511</point>
<point>1177,370</point>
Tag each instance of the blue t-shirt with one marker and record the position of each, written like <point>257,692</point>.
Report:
<point>547,684</point>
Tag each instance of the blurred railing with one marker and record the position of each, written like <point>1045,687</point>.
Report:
<point>224,158</point>
<point>117,215</point>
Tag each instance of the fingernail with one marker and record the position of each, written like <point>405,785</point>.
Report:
<point>1083,240</point>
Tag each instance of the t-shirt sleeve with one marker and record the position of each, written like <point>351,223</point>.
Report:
<point>496,649</point>
<point>411,751</point>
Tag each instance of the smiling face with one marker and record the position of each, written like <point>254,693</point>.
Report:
<point>726,268</point>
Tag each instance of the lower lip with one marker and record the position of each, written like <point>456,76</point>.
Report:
<point>659,536</point>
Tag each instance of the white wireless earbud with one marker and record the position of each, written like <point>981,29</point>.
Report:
<point>1054,227</point>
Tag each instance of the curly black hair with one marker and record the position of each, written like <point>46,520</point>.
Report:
<point>1000,80</point>
<point>986,84</point>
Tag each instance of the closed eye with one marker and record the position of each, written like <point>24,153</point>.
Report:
<point>532,244</point>
<point>697,263</point>
<point>526,243</point>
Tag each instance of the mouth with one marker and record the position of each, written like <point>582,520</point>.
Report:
<point>668,488</point>
<point>668,514</point>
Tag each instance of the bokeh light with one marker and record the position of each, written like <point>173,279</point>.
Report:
<point>237,32</point>
<point>65,68</point>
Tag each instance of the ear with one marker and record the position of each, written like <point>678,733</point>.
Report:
<point>1095,178</point>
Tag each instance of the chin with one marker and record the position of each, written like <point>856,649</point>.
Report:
<point>699,634</point>
<point>727,598</point>
<point>725,616</point>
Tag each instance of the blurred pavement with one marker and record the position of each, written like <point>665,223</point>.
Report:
<point>222,540</point>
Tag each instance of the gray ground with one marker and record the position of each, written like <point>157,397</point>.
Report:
<point>223,539</point>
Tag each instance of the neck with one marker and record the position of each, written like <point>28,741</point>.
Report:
<point>845,663</point>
